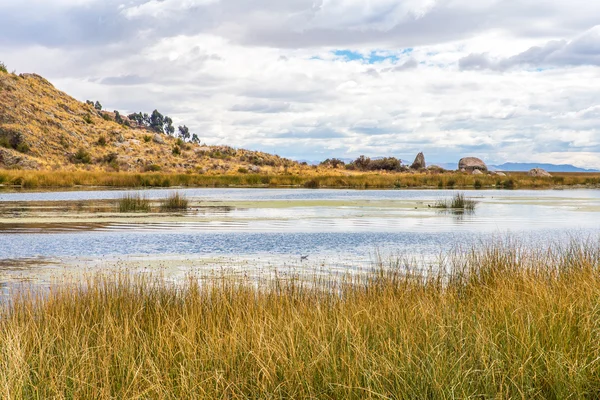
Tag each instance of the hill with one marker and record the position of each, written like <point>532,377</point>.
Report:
<point>548,167</point>
<point>42,128</point>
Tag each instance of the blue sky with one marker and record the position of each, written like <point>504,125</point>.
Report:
<point>312,79</point>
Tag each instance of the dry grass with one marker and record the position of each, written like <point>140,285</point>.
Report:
<point>506,323</point>
<point>314,178</point>
<point>54,127</point>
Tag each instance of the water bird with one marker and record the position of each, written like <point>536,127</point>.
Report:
<point>302,258</point>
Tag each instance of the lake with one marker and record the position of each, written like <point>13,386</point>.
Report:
<point>46,234</point>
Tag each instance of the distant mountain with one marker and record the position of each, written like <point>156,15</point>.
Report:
<point>547,167</point>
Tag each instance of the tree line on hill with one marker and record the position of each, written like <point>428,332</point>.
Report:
<point>155,122</point>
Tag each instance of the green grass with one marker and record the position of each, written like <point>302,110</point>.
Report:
<point>458,202</point>
<point>503,322</point>
<point>134,203</point>
<point>174,202</point>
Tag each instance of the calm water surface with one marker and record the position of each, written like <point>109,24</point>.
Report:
<point>341,228</point>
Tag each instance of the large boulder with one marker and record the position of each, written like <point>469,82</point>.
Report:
<point>158,139</point>
<point>539,173</point>
<point>419,162</point>
<point>470,164</point>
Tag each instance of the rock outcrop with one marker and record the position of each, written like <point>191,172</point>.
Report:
<point>470,164</point>
<point>477,172</point>
<point>539,173</point>
<point>419,162</point>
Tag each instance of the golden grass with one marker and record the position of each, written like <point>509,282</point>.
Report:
<point>305,178</point>
<point>506,323</point>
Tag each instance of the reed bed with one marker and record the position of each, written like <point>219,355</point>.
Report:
<point>174,202</point>
<point>500,322</point>
<point>134,203</point>
<point>308,178</point>
<point>458,203</point>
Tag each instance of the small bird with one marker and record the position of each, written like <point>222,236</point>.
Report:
<point>302,258</point>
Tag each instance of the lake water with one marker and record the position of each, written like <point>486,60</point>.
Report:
<point>42,233</point>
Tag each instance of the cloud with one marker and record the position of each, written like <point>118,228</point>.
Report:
<point>582,50</point>
<point>156,9</point>
<point>507,80</point>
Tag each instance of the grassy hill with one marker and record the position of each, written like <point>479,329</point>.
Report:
<point>42,128</point>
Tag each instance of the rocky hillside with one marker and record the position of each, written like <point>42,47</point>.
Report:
<point>44,128</point>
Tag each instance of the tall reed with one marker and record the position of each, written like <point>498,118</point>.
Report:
<point>457,202</point>
<point>500,322</point>
<point>134,203</point>
<point>174,202</point>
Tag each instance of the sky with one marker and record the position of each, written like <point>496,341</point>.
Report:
<point>503,80</point>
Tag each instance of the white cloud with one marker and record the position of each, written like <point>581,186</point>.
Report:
<point>156,8</point>
<point>447,77</point>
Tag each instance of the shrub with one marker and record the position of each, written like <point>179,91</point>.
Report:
<point>175,202</point>
<point>312,184</point>
<point>82,157</point>
<point>3,67</point>
<point>147,138</point>
<point>363,163</point>
<point>176,151</point>
<point>477,184</point>
<point>23,147</point>
<point>88,119</point>
<point>152,168</point>
<point>106,117</point>
<point>508,184</point>
<point>102,141</point>
<point>243,170</point>
<point>110,157</point>
<point>333,163</point>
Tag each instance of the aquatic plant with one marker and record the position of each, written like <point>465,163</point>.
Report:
<point>134,202</point>
<point>458,202</point>
<point>498,322</point>
<point>174,202</point>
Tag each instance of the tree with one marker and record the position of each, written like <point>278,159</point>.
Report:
<point>98,106</point>
<point>157,122</point>
<point>118,118</point>
<point>169,129</point>
<point>184,132</point>
<point>195,138</point>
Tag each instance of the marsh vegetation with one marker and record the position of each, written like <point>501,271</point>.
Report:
<point>323,178</point>
<point>498,322</point>
<point>457,203</point>
<point>134,202</point>
<point>174,202</point>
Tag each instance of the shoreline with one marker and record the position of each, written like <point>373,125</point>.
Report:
<point>17,180</point>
